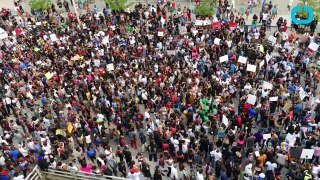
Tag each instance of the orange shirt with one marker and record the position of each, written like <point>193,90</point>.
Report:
<point>262,158</point>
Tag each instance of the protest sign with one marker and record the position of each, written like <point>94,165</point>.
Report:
<point>223,58</point>
<point>307,153</point>
<point>266,85</point>
<point>242,59</point>
<point>251,68</point>
<point>251,99</point>
<point>110,67</point>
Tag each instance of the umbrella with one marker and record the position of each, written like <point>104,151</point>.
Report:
<point>99,120</point>
<point>61,132</point>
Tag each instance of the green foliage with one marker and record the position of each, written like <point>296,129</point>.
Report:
<point>40,4</point>
<point>314,4</point>
<point>118,5</point>
<point>206,7</point>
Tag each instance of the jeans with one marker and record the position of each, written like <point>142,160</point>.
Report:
<point>169,172</point>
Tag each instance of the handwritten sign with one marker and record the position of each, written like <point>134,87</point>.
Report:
<point>251,68</point>
<point>242,59</point>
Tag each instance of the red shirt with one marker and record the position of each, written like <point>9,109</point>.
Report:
<point>173,4</point>
<point>246,107</point>
<point>18,31</point>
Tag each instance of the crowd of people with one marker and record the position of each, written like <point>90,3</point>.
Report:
<point>151,93</point>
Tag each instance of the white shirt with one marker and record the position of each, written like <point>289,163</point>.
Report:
<point>108,153</point>
<point>134,176</point>
<point>44,139</point>
<point>23,151</point>
<point>47,148</point>
<point>174,173</point>
<point>2,161</point>
<point>146,115</point>
<point>175,142</point>
<point>200,176</point>
<point>8,100</point>
<point>88,139</point>
<point>248,169</point>
<point>271,166</point>
<point>21,177</point>
<point>30,145</point>
<point>265,16</point>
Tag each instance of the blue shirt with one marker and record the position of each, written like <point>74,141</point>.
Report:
<point>232,68</point>
<point>4,177</point>
<point>91,152</point>
<point>291,88</point>
<point>297,108</point>
<point>14,153</point>
<point>252,111</point>
<point>223,175</point>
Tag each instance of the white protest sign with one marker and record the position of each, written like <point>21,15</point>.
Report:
<point>242,59</point>
<point>223,58</point>
<point>110,67</point>
<point>261,64</point>
<point>96,62</point>
<point>266,136</point>
<point>307,154</point>
<point>217,41</point>
<point>207,22</point>
<point>53,37</point>
<point>266,85</point>
<point>251,99</point>
<point>171,52</point>
<point>160,33</point>
<point>198,23</point>
<point>272,39</point>
<point>273,98</point>
<point>38,23</point>
<point>313,46</point>
<point>251,68</point>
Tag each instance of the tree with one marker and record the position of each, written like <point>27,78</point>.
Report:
<point>40,4</point>
<point>118,5</point>
<point>314,4</point>
<point>206,7</point>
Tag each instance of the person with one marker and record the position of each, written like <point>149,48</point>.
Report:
<point>134,174</point>
<point>91,153</point>
<point>169,165</point>
<point>157,173</point>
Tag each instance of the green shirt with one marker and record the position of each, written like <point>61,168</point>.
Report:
<point>63,24</point>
